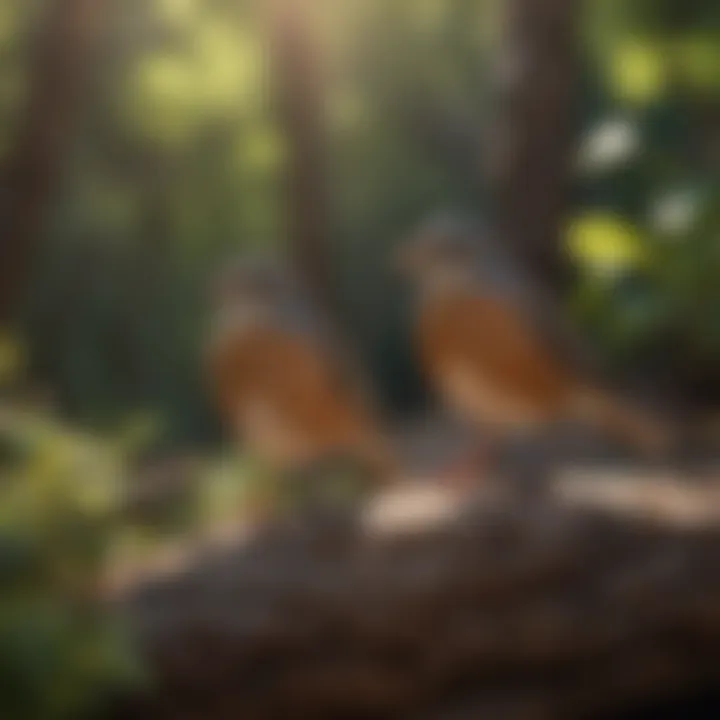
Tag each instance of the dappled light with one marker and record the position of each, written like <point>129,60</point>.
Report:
<point>359,359</point>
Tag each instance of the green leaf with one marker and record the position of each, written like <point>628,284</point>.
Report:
<point>603,243</point>
<point>636,71</point>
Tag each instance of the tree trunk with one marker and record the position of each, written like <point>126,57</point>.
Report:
<point>597,599</point>
<point>530,149</point>
<point>56,81</point>
<point>297,78</point>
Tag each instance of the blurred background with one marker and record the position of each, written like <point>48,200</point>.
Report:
<point>144,142</point>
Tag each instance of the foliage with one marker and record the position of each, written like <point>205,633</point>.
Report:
<point>68,521</point>
<point>59,653</point>
<point>648,181</point>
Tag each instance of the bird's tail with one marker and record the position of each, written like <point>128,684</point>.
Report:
<point>623,422</point>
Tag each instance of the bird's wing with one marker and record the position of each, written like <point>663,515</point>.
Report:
<point>493,341</point>
<point>508,283</point>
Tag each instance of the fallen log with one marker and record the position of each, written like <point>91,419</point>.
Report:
<point>581,603</point>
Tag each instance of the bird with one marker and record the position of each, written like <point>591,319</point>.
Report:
<point>279,379</point>
<point>493,346</point>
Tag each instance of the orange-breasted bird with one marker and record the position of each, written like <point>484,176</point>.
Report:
<point>279,379</point>
<point>491,346</point>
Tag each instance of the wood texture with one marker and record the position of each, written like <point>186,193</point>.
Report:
<point>601,596</point>
<point>531,143</point>
<point>57,79</point>
<point>299,96</point>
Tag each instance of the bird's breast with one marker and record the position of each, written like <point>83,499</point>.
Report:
<point>284,398</point>
<point>271,431</point>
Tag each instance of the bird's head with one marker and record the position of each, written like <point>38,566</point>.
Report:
<point>445,247</point>
<point>256,283</point>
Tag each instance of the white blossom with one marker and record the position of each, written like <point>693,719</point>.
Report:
<point>609,145</point>
<point>675,212</point>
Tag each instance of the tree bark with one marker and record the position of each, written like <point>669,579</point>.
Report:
<point>599,598</point>
<point>298,84</point>
<point>521,157</point>
<point>530,149</point>
<point>56,82</point>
